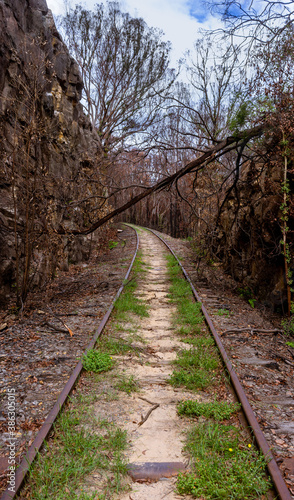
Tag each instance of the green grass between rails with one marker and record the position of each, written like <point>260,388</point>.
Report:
<point>73,454</point>
<point>128,302</point>
<point>197,367</point>
<point>224,466</point>
<point>218,410</point>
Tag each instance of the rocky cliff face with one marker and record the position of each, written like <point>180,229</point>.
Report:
<point>249,235</point>
<point>46,144</point>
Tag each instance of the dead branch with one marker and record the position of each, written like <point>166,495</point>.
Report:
<point>61,321</point>
<point>252,330</point>
<point>231,142</point>
<point>143,419</point>
<point>147,400</point>
<point>53,327</point>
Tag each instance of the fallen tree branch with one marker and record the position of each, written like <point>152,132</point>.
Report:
<point>53,327</point>
<point>61,321</point>
<point>143,419</point>
<point>147,400</point>
<point>251,330</point>
<point>230,143</point>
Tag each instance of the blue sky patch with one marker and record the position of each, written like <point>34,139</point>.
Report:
<point>197,10</point>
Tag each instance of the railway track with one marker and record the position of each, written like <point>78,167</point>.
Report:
<point>161,459</point>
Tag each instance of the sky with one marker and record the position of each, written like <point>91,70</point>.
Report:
<point>180,20</point>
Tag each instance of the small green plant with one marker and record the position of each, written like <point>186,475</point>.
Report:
<point>193,381</point>
<point>199,341</point>
<point>112,244</point>
<point>127,384</point>
<point>224,466</point>
<point>223,312</point>
<point>247,294</point>
<point>196,368</point>
<point>290,344</point>
<point>197,358</point>
<point>288,326</point>
<point>97,361</point>
<point>251,302</point>
<point>218,410</point>
<point>115,345</point>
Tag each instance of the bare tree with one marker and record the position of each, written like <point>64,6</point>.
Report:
<point>124,66</point>
<point>248,24</point>
<point>216,76</point>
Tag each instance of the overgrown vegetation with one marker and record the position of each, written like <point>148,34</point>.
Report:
<point>197,367</point>
<point>218,410</point>
<point>75,452</point>
<point>115,345</point>
<point>128,302</point>
<point>97,361</point>
<point>225,465</point>
<point>189,316</point>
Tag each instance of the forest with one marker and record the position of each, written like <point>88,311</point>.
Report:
<point>96,126</point>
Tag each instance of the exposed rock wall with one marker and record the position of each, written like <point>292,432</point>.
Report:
<point>46,141</point>
<point>249,234</point>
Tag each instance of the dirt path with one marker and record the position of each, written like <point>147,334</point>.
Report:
<point>159,440</point>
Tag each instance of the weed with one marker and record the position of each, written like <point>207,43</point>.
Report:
<point>97,361</point>
<point>288,326</point>
<point>115,346</point>
<point>112,244</point>
<point>251,302</point>
<point>247,294</point>
<point>196,368</point>
<point>111,396</point>
<point>197,358</point>
<point>218,410</point>
<point>189,314</point>
<point>290,344</point>
<point>223,312</point>
<point>199,341</point>
<point>128,302</point>
<point>199,379</point>
<point>80,453</point>
<point>127,384</point>
<point>224,466</point>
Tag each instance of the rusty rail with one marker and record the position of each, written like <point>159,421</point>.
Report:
<point>272,466</point>
<point>31,454</point>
